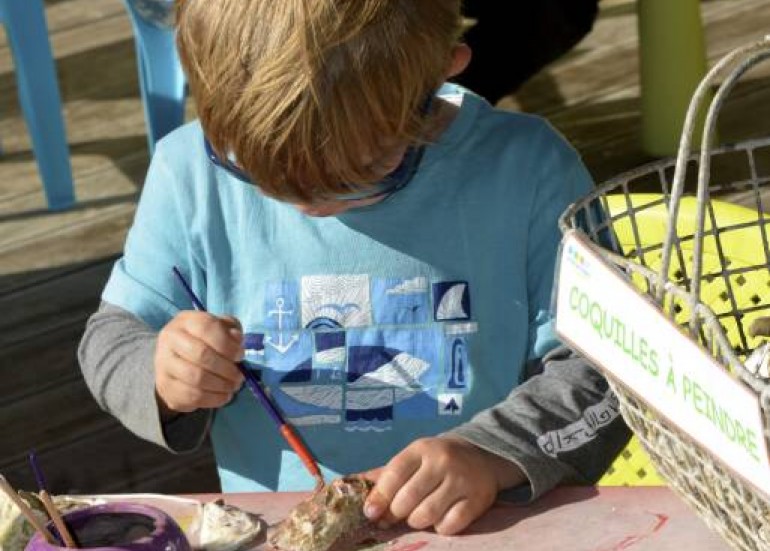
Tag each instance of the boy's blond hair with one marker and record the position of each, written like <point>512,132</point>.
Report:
<point>299,90</point>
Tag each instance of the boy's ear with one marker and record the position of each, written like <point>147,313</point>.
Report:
<point>461,57</point>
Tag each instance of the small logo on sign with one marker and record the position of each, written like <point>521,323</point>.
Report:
<point>577,259</point>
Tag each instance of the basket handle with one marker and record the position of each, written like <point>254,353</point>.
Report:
<point>749,56</point>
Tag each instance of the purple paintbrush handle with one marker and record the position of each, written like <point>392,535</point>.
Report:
<point>37,471</point>
<point>259,392</point>
<point>252,383</point>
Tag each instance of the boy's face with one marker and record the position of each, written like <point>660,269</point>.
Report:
<point>333,208</point>
<point>395,164</point>
<point>392,160</point>
<point>385,165</point>
<point>395,167</point>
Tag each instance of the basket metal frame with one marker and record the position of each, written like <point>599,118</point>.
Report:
<point>731,507</point>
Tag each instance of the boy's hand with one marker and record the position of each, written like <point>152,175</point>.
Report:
<point>444,482</point>
<point>195,362</point>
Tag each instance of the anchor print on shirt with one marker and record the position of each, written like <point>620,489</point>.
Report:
<point>281,316</point>
<point>270,340</point>
<point>361,352</point>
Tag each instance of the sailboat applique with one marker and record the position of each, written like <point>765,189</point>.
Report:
<point>451,300</point>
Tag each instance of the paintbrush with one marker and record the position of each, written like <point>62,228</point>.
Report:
<point>48,503</point>
<point>256,389</point>
<point>26,511</point>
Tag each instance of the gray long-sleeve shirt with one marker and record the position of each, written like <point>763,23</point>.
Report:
<point>560,425</point>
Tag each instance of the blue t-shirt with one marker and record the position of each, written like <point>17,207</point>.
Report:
<point>375,327</point>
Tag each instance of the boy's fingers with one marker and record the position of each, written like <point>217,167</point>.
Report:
<point>377,503</point>
<point>373,474</point>
<point>458,517</point>
<point>389,481</point>
<point>198,353</point>
<point>210,342</point>
<point>179,395</point>
<point>223,335</point>
<point>387,520</point>
<point>433,507</point>
<point>197,377</point>
<point>234,322</point>
<point>202,400</point>
<point>415,492</point>
<point>194,398</point>
<point>376,508</point>
<point>235,331</point>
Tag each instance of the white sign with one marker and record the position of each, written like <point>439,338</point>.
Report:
<point>602,315</point>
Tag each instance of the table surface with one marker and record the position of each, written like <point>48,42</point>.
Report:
<point>570,518</point>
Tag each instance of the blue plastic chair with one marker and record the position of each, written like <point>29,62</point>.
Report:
<point>161,80</point>
<point>27,33</point>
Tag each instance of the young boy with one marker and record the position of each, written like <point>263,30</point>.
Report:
<point>386,254</point>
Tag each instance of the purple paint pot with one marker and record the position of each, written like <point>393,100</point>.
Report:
<point>119,526</point>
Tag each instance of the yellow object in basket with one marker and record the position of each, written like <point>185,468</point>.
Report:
<point>739,244</point>
<point>740,239</point>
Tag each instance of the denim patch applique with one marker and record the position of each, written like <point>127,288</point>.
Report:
<point>287,351</point>
<point>325,363</point>
<point>254,347</point>
<point>450,403</point>
<point>310,404</point>
<point>458,372</point>
<point>451,301</point>
<point>330,356</point>
<point>329,341</point>
<point>391,374</point>
<point>334,301</point>
<point>401,301</point>
<point>302,391</point>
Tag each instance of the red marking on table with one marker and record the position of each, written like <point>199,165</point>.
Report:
<point>412,546</point>
<point>630,541</point>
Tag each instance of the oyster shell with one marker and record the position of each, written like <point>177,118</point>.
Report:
<point>316,523</point>
<point>15,530</point>
<point>225,527</point>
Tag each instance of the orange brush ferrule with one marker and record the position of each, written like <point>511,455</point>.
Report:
<point>304,454</point>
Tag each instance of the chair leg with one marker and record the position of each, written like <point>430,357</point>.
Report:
<point>162,82</point>
<point>39,97</point>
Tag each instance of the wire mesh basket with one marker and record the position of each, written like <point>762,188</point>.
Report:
<point>692,233</point>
